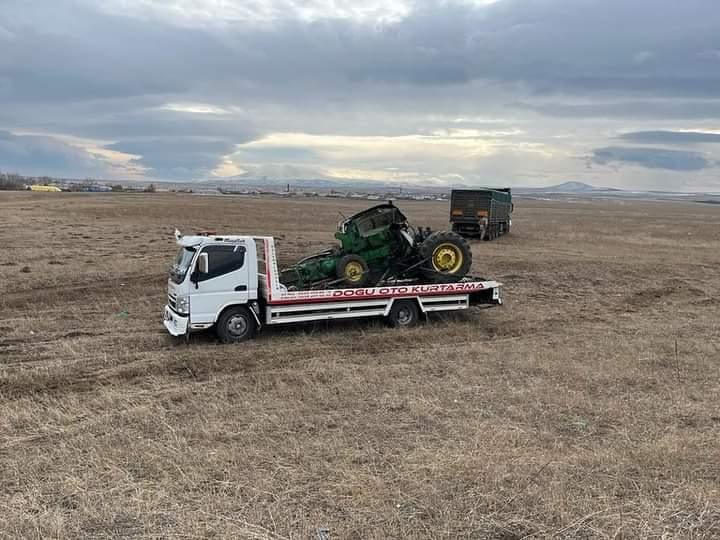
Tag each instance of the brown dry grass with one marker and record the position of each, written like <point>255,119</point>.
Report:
<point>566,413</point>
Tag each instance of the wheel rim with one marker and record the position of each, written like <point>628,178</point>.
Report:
<point>237,326</point>
<point>447,258</point>
<point>353,271</point>
<point>404,316</point>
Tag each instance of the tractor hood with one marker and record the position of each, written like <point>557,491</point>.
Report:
<point>380,216</point>
<point>378,209</point>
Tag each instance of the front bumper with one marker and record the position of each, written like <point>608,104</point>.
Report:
<point>176,324</point>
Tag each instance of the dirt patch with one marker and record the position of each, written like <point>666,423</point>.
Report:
<point>583,408</point>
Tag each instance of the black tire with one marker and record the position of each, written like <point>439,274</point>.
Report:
<point>452,264</point>
<point>236,324</point>
<point>353,271</point>
<point>403,314</point>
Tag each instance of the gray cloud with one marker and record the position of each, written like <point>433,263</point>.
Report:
<point>46,156</point>
<point>167,123</point>
<point>671,137</point>
<point>591,47</point>
<point>64,51</point>
<point>651,158</point>
<point>679,108</point>
<point>71,67</point>
<point>276,154</point>
<point>552,45</point>
<point>186,158</point>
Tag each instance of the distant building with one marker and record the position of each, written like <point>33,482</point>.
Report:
<point>96,188</point>
<point>37,187</point>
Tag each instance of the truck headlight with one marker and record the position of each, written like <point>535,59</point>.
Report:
<point>182,304</point>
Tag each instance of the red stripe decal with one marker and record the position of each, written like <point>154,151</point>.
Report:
<point>364,294</point>
<point>268,282</point>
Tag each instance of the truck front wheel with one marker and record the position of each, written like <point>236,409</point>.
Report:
<point>236,324</point>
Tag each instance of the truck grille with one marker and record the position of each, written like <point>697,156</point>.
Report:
<point>172,300</point>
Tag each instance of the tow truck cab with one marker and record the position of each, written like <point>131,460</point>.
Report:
<point>210,274</point>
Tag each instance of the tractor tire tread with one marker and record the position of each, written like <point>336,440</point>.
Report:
<point>435,239</point>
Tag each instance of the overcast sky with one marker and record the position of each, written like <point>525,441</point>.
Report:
<point>619,93</point>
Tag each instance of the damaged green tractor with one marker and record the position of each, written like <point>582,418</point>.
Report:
<point>378,245</point>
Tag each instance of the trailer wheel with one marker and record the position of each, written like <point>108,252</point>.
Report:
<point>236,324</point>
<point>353,270</point>
<point>403,314</point>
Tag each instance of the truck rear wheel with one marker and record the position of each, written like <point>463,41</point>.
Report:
<point>236,324</point>
<point>403,314</point>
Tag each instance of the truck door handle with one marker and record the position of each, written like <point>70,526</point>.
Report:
<point>241,288</point>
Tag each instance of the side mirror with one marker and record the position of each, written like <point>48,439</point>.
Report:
<point>202,263</point>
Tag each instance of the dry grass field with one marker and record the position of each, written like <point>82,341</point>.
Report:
<point>588,406</point>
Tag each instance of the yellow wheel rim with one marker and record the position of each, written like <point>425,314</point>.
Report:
<point>353,271</point>
<point>447,258</point>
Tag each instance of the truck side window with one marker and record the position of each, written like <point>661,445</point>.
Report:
<point>222,260</point>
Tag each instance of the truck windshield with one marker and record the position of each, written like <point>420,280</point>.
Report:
<point>179,269</point>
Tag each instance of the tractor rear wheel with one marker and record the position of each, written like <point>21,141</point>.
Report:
<point>353,270</point>
<point>448,257</point>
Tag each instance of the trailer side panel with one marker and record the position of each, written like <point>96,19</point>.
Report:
<point>484,213</point>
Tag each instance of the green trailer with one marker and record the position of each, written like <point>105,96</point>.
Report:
<point>483,213</point>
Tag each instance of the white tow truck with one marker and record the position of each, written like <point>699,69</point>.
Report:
<point>231,283</point>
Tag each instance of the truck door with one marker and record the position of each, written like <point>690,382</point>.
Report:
<point>226,282</point>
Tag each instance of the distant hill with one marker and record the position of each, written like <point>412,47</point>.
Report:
<point>310,184</point>
<point>324,183</point>
<point>572,186</point>
<point>565,187</point>
<point>298,181</point>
